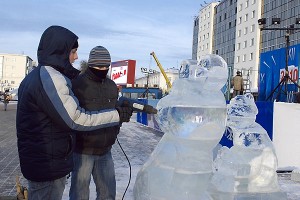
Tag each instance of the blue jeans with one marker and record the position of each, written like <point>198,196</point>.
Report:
<point>103,171</point>
<point>48,190</point>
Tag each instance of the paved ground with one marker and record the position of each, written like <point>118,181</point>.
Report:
<point>9,160</point>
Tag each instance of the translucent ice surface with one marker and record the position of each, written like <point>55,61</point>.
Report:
<point>193,119</point>
<point>248,169</point>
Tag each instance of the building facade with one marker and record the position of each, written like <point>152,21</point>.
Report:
<point>225,30</point>
<point>13,69</point>
<point>288,11</point>
<point>195,38</point>
<point>157,80</point>
<point>237,37</point>
<point>247,40</point>
<point>205,36</point>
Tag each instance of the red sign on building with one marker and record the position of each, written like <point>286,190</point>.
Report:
<point>123,72</point>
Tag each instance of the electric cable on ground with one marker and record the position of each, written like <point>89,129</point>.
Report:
<point>129,169</point>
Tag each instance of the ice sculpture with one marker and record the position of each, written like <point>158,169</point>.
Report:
<point>248,169</point>
<point>193,119</point>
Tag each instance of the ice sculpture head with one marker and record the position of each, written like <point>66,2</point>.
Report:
<point>241,108</point>
<point>210,72</point>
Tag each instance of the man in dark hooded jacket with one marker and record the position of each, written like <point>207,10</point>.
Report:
<point>92,153</point>
<point>48,112</point>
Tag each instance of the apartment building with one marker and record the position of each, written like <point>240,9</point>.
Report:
<point>195,38</point>
<point>237,37</point>
<point>13,69</point>
<point>247,40</point>
<point>205,35</point>
<point>287,12</point>
<point>225,30</point>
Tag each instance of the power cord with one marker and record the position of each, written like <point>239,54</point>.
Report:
<point>129,169</point>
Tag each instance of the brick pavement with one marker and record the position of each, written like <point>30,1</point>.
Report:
<point>9,160</point>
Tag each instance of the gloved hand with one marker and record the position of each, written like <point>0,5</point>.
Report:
<point>125,113</point>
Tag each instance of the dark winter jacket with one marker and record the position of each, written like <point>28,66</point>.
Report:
<point>95,94</point>
<point>48,111</point>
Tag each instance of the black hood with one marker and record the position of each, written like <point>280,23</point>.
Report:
<point>54,49</point>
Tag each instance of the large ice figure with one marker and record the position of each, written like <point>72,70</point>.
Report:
<point>248,169</point>
<point>193,119</point>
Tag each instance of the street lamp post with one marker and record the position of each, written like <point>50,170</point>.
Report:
<point>289,30</point>
<point>147,72</point>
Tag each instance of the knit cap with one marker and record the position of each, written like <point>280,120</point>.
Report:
<point>99,57</point>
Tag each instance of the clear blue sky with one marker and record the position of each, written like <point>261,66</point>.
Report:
<point>129,29</point>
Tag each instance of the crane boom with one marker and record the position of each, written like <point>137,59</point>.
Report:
<point>162,70</point>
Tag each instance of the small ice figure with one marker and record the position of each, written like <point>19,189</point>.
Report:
<point>193,119</point>
<point>248,169</point>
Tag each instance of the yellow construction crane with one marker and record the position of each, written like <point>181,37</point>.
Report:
<point>162,70</point>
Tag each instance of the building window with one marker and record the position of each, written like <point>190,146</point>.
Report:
<point>237,59</point>
<point>246,4</point>
<point>245,30</point>
<point>252,27</point>
<point>208,15</point>
<point>253,14</point>
<point>253,1</point>
<point>251,56</point>
<point>220,18</point>
<point>246,17</point>
<point>244,57</point>
<point>240,20</point>
<point>225,16</point>
<point>217,52</point>
<point>206,45</point>
<point>252,42</point>
<point>238,46</point>
<point>241,7</point>
<point>239,33</point>
<point>245,44</point>
<point>229,24</point>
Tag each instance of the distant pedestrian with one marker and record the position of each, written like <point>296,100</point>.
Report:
<point>238,84</point>
<point>6,99</point>
<point>48,113</point>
